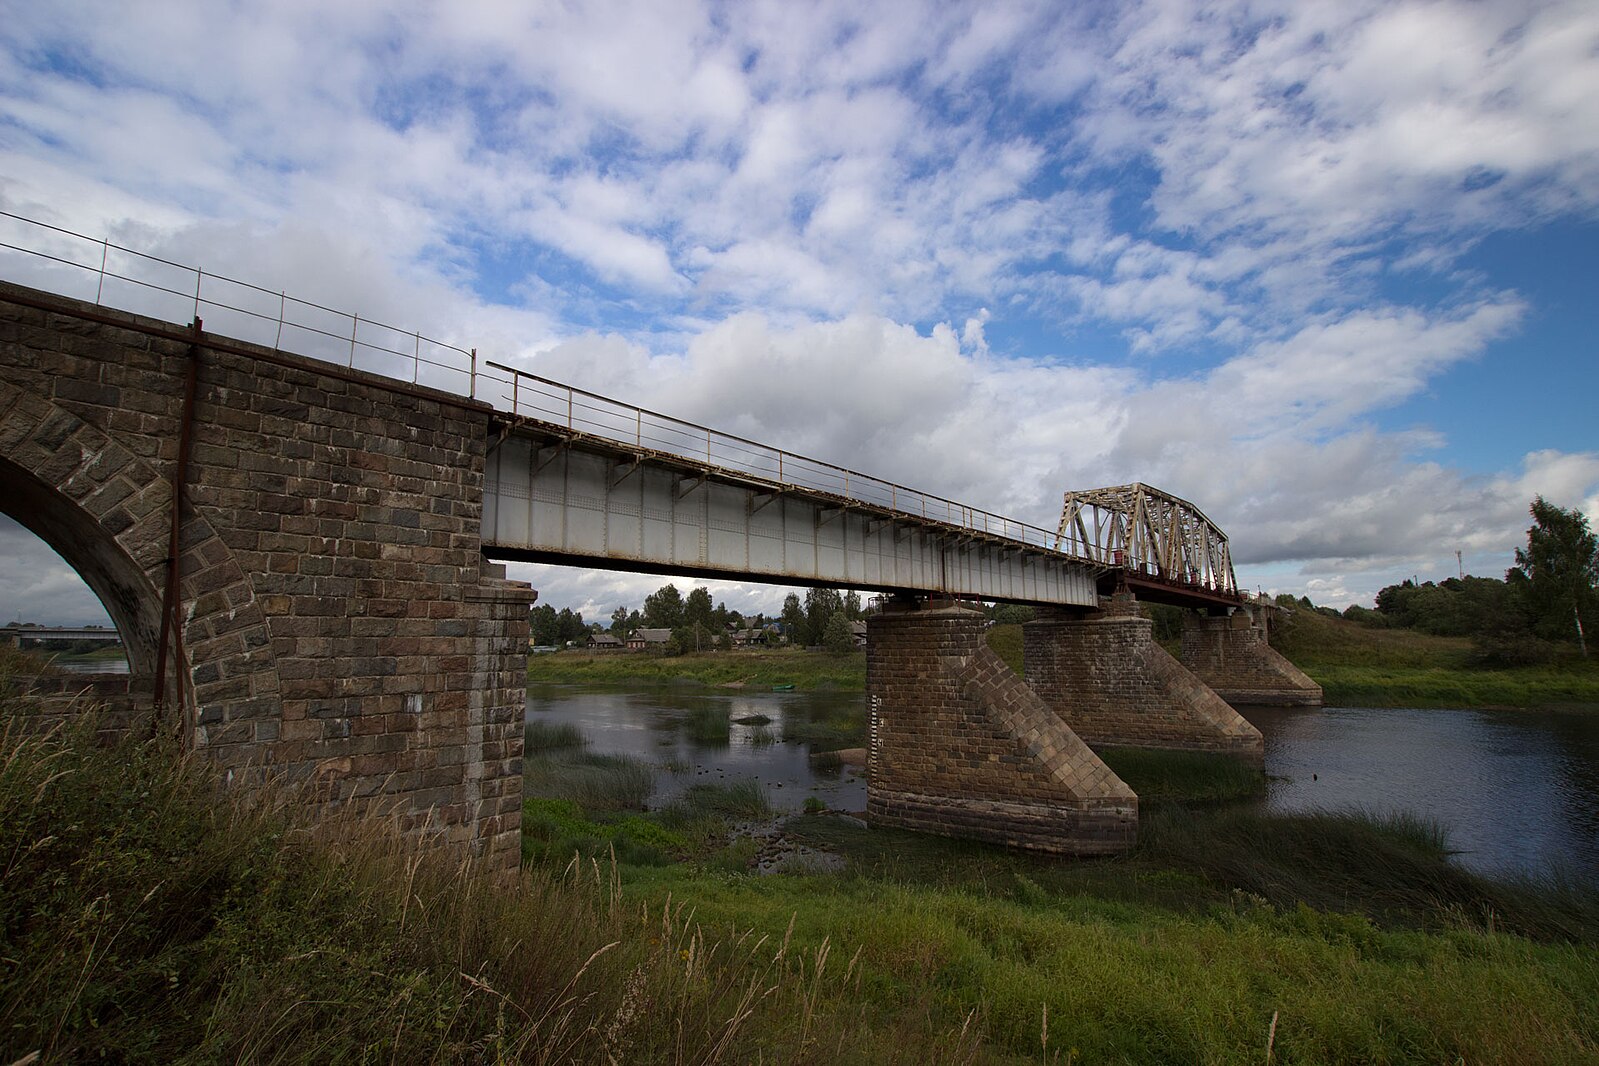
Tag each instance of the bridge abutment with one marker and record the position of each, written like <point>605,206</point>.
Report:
<point>1231,654</point>
<point>961,747</point>
<point>341,632</point>
<point>1114,686</point>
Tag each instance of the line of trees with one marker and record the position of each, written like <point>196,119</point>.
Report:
<point>1547,599</point>
<point>822,618</point>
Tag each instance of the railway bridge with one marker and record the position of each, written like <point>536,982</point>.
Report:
<point>303,557</point>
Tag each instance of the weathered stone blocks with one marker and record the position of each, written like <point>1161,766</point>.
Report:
<point>1109,681</point>
<point>1230,653</point>
<point>341,628</point>
<point>959,746</point>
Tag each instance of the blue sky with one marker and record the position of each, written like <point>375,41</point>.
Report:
<point>1329,271</point>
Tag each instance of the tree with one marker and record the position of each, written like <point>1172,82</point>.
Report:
<point>546,625</point>
<point>837,637</point>
<point>820,605</point>
<point>1560,568</point>
<point>569,626</point>
<point>793,619</point>
<point>852,605</point>
<point>619,628</point>
<point>663,608</point>
<point>697,609</point>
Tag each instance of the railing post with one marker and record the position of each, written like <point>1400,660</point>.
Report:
<point>355,327</point>
<point>472,389</point>
<point>569,407</point>
<point>283,300</point>
<point>516,399</point>
<point>105,250</point>
<point>707,446</point>
<point>638,427</point>
<point>416,360</point>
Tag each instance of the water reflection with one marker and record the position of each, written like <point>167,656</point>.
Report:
<point>1518,791</point>
<point>698,737</point>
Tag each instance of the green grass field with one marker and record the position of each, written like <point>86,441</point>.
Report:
<point>1357,666</point>
<point>746,667</point>
<point>1365,667</point>
<point>148,917</point>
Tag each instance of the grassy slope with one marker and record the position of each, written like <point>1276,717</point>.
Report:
<point>1361,666</point>
<point>1355,665</point>
<point>142,919</point>
<point>1181,952</point>
<point>756,668</point>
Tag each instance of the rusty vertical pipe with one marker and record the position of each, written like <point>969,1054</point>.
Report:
<point>171,601</point>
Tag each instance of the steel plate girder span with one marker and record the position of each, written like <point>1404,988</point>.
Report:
<point>558,501</point>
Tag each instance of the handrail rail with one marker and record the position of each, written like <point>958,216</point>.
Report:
<point>351,342</point>
<point>713,447</point>
<point>581,411</point>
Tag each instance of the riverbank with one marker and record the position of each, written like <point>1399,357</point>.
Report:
<point>741,668</point>
<point>148,918</point>
<point>1362,666</point>
<point>1356,666</point>
<point>1338,938</point>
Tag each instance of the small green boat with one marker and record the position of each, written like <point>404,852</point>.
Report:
<point>782,688</point>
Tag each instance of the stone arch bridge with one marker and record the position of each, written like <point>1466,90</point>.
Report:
<point>296,555</point>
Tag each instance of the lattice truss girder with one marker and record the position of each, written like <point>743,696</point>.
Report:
<point>1149,531</point>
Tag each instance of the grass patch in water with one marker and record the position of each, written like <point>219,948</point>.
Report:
<point>595,782</point>
<point>708,724</point>
<point>539,736</point>
<point>1160,776</point>
<point>556,828</point>
<point>825,728</point>
<point>744,799</point>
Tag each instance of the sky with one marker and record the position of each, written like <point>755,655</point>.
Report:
<point>1329,271</point>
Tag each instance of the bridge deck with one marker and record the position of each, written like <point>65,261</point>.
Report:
<point>561,495</point>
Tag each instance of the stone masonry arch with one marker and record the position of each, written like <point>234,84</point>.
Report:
<point>341,628</point>
<point>107,512</point>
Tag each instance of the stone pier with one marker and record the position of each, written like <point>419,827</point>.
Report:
<point>1230,653</point>
<point>961,747</point>
<point>1114,686</point>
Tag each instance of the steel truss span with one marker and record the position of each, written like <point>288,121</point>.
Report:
<point>1151,534</point>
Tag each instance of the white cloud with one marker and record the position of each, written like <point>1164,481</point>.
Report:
<point>878,234</point>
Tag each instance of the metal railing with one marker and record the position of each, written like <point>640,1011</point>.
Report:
<point>112,275</point>
<point>580,411</point>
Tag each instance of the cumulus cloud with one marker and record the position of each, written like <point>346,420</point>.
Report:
<point>1016,251</point>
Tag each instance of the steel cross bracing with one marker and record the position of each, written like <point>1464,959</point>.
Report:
<point>1150,533</point>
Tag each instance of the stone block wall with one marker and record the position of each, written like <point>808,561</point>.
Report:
<point>1114,686</point>
<point>341,629</point>
<point>1231,654</point>
<point>959,746</point>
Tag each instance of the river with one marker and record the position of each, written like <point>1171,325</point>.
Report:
<point>1517,790</point>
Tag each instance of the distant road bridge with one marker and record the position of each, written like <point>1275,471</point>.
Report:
<point>21,635</point>
<point>294,550</point>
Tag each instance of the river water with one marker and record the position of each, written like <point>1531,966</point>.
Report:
<point>1517,790</point>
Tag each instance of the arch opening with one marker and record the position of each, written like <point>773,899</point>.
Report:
<point>124,590</point>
